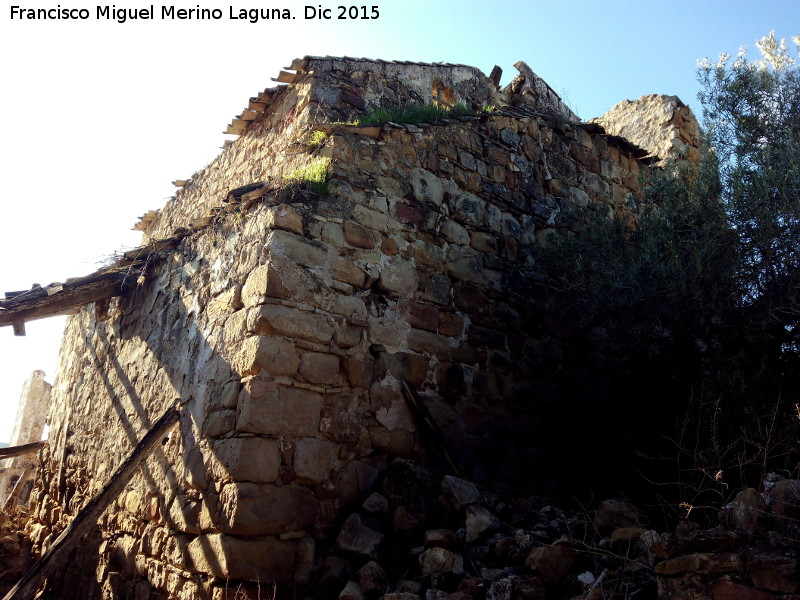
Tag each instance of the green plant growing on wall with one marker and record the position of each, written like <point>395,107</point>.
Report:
<point>317,139</point>
<point>413,113</point>
<point>312,177</point>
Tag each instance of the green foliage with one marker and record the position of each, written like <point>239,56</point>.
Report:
<point>702,296</point>
<point>414,113</point>
<point>317,139</point>
<point>313,177</point>
<point>659,278</point>
<point>752,118</point>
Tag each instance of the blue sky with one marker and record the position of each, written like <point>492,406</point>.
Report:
<point>98,118</point>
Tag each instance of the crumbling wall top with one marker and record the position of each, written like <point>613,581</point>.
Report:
<point>661,124</point>
<point>344,87</point>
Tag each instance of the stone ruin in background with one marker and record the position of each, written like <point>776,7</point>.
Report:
<point>287,321</point>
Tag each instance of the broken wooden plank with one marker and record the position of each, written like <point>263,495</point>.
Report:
<point>57,553</point>
<point>146,220</point>
<point>11,451</point>
<point>236,127</point>
<point>144,253</point>
<point>429,426</point>
<point>257,106</point>
<point>73,295</point>
<point>368,131</point>
<point>285,77</point>
<point>19,327</point>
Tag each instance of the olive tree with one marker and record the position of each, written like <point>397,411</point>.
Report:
<point>751,111</point>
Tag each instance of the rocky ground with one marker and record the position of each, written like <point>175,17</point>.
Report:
<point>419,538</point>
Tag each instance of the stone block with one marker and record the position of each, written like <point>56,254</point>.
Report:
<point>395,443</point>
<point>298,249</point>
<point>468,209</point>
<point>480,522</point>
<point>219,423</point>
<point>332,234</point>
<point>552,562</point>
<point>387,332</point>
<point>428,342</point>
<point>358,538</point>
<point>454,233</point>
<point>314,459</point>
<point>494,218</point>
<point>248,459</point>
<point>358,236</point>
<point>420,316</point>
<point>285,411</point>
<point>437,290</point>
<point>263,282</point>
<point>705,563</point>
<point>275,355</point>
<point>350,307</point>
<point>408,214</point>
<point>273,319</point>
<point>372,219</point>
<point>429,257</point>
<point>460,492</point>
<point>773,571</point>
<point>355,481</point>
<point>483,242</point>
<point>426,187</point>
<point>785,500</point>
<point>615,513</point>
<point>511,227</point>
<point>358,372</point>
<point>595,183</point>
<point>318,367</point>
<point>467,160</point>
<point>398,277</point>
<point>579,197</point>
<point>464,264</point>
<point>346,336</point>
<point>450,324</point>
<point>372,578</point>
<point>352,591</point>
<point>509,137</point>
<point>376,504</point>
<point>265,509</point>
<point>284,217</point>
<point>396,416</point>
<point>343,269</point>
<point>228,557</point>
<point>532,149</point>
<point>748,510</point>
<point>389,246</point>
<point>404,365</point>
<point>438,560</point>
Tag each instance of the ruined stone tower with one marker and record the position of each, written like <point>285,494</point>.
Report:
<point>286,320</point>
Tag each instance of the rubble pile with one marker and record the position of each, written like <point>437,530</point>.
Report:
<point>415,538</point>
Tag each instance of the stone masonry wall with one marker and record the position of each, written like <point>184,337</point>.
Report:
<point>286,327</point>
